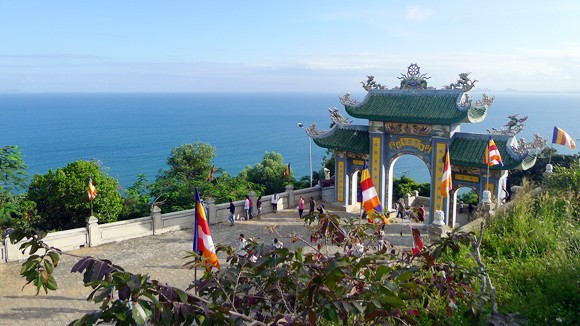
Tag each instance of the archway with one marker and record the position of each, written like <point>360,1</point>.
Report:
<point>354,190</point>
<point>467,194</point>
<point>411,169</point>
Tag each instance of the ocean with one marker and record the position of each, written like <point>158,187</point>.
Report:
<point>132,134</point>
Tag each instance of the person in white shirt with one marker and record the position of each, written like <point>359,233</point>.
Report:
<point>242,246</point>
<point>275,202</point>
<point>247,207</point>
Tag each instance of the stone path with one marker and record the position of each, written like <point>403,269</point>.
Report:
<point>159,256</point>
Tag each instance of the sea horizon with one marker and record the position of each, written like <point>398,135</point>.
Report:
<point>133,133</point>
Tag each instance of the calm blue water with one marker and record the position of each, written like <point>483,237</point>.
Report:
<point>134,133</point>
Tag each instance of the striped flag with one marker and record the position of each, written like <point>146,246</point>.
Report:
<point>210,174</point>
<point>202,241</point>
<point>92,190</point>
<point>371,201</point>
<point>492,156</point>
<point>562,138</point>
<point>287,171</point>
<point>446,184</point>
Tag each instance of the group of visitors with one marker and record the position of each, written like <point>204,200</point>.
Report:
<point>311,208</point>
<point>243,252</point>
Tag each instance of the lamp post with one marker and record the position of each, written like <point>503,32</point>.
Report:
<point>300,125</point>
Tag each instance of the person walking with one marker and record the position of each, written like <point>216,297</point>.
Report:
<point>312,205</point>
<point>241,251</point>
<point>232,211</point>
<point>251,208</point>
<point>259,207</point>
<point>469,212</point>
<point>400,210</point>
<point>247,207</point>
<point>274,202</point>
<point>421,213</point>
<point>461,204</point>
<point>300,207</point>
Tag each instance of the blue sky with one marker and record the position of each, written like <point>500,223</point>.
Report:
<point>284,46</point>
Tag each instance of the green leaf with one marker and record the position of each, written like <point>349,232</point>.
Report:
<point>141,312</point>
<point>55,257</point>
<point>51,283</point>
<point>394,301</point>
<point>181,294</point>
<point>48,266</point>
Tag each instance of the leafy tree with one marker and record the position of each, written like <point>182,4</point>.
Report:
<point>136,199</point>
<point>61,196</point>
<point>269,173</point>
<point>12,169</point>
<point>189,167</point>
<point>406,185</point>
<point>469,197</point>
<point>535,174</point>
<point>328,162</point>
<point>15,210</point>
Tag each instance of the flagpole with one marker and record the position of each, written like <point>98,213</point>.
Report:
<point>487,182</point>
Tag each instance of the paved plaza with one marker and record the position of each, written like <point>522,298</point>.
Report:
<point>160,256</point>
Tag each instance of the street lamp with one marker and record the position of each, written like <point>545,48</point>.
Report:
<point>300,125</point>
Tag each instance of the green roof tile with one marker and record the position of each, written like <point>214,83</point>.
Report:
<point>412,106</point>
<point>348,138</point>
<point>469,149</point>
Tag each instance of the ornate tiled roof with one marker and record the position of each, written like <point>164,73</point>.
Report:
<point>415,106</point>
<point>468,149</point>
<point>345,137</point>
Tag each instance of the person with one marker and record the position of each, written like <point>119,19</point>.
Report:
<point>461,206</point>
<point>421,214</point>
<point>312,205</point>
<point>321,208</point>
<point>232,211</point>
<point>242,246</point>
<point>247,207</point>
<point>275,202</point>
<point>259,207</point>
<point>470,212</point>
<point>300,207</point>
<point>251,208</point>
<point>276,244</point>
<point>400,210</point>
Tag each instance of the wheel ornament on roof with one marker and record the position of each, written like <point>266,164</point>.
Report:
<point>414,79</point>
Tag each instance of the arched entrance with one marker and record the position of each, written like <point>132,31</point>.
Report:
<point>462,195</point>
<point>406,165</point>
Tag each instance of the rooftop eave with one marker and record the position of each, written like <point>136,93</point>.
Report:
<point>475,114</point>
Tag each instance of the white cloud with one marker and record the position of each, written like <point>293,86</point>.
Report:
<point>417,14</point>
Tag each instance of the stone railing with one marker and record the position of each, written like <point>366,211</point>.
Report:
<point>95,234</point>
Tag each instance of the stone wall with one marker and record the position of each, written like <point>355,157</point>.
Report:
<point>95,234</point>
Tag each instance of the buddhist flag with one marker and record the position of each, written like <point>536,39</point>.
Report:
<point>287,171</point>
<point>210,174</point>
<point>562,138</point>
<point>92,190</point>
<point>446,184</point>
<point>371,201</point>
<point>492,156</point>
<point>202,241</point>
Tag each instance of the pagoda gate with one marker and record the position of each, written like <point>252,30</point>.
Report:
<point>422,121</point>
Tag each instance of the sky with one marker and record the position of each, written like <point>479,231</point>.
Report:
<point>284,46</point>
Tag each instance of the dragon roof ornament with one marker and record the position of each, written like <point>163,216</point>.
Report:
<point>347,101</point>
<point>463,83</point>
<point>522,147</point>
<point>371,84</point>
<point>313,132</point>
<point>336,117</point>
<point>514,126</point>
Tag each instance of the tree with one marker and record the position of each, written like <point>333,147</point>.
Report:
<point>406,185</point>
<point>269,173</point>
<point>189,167</point>
<point>61,196</point>
<point>12,169</point>
<point>136,199</point>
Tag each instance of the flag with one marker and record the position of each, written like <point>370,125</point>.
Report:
<point>287,171</point>
<point>92,190</point>
<point>562,138</point>
<point>492,156</point>
<point>371,201</point>
<point>210,174</point>
<point>202,241</point>
<point>446,184</point>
